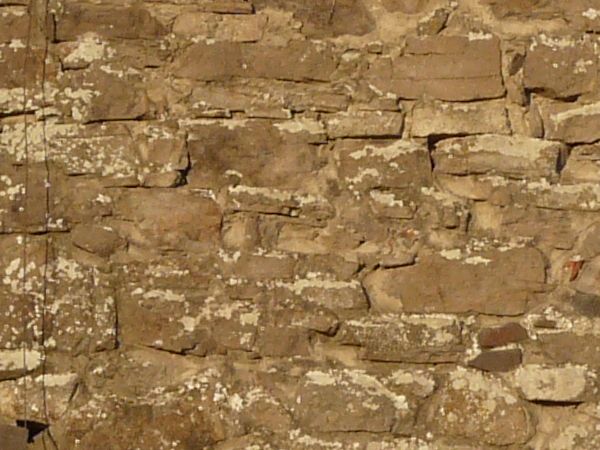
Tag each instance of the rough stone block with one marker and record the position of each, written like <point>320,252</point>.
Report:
<point>560,67</point>
<point>443,119</point>
<point>133,22</point>
<point>364,124</point>
<point>405,338</point>
<point>453,68</point>
<point>299,61</point>
<point>478,408</point>
<point>510,156</point>
<point>450,283</point>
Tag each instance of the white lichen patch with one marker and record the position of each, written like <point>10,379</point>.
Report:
<point>359,384</point>
<point>276,195</point>
<point>479,36</point>
<point>591,109</point>
<point>388,152</point>
<point>484,385</point>
<point>13,360</point>
<point>301,126</point>
<point>386,198</point>
<point>591,14</point>
<point>567,383</point>
<point>89,48</point>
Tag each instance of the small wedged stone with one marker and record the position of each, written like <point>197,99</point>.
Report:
<point>509,333</point>
<point>497,360</point>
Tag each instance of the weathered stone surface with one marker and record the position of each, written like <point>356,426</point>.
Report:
<point>233,28</point>
<point>133,22</point>
<point>95,239</point>
<point>363,165</point>
<point>168,218</point>
<point>572,123</point>
<point>257,153</point>
<point>499,336</point>
<point>467,284</point>
<point>560,67</point>
<point>364,124</point>
<point>393,338</point>
<point>13,438</point>
<point>351,396</point>
<point>320,19</point>
<point>553,384</point>
<point>514,157</point>
<point>497,360</point>
<point>583,165</point>
<point>299,61</point>
<point>284,225</point>
<point>442,119</point>
<point>442,67</point>
<point>478,408</point>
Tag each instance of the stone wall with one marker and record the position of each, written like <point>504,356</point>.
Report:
<point>300,225</point>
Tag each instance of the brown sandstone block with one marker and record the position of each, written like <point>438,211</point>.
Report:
<point>511,156</point>
<point>440,118</point>
<point>497,360</point>
<point>258,152</point>
<point>364,165</point>
<point>417,339</point>
<point>560,67</point>
<point>169,218</point>
<point>499,336</point>
<point>322,19</point>
<point>583,165</point>
<point>438,283</point>
<point>573,123</point>
<point>13,438</point>
<point>13,26</point>
<point>364,124</point>
<point>480,408</point>
<point>299,61</point>
<point>133,22</point>
<point>453,68</point>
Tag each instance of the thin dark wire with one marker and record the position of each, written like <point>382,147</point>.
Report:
<point>22,210</point>
<point>47,187</point>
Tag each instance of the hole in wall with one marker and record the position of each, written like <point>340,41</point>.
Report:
<point>33,428</point>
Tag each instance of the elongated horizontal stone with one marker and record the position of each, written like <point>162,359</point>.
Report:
<point>460,285</point>
<point>113,22</point>
<point>512,156</point>
<point>440,118</point>
<point>365,124</point>
<point>443,67</point>
<point>553,384</point>
<point>405,338</point>
<point>572,123</point>
<point>298,61</point>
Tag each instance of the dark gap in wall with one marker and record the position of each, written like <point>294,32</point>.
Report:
<point>33,428</point>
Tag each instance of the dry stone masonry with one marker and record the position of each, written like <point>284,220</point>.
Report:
<point>299,225</point>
